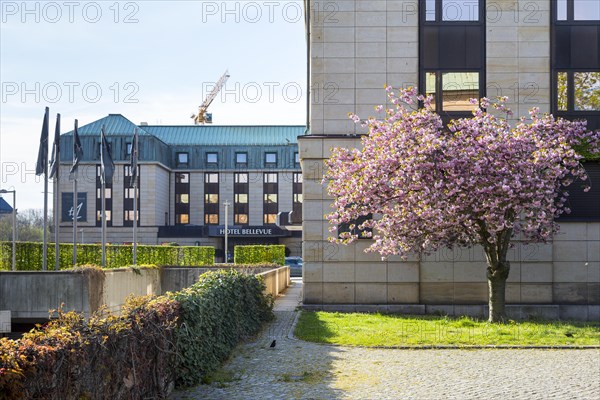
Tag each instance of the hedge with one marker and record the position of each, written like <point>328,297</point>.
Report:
<point>259,254</point>
<point>179,337</point>
<point>217,312</point>
<point>29,255</point>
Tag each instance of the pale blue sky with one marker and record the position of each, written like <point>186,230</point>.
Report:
<point>153,61</point>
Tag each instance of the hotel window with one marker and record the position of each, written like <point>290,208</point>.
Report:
<point>270,159</point>
<point>182,198</point>
<point>128,197</point>
<point>452,10</point>
<point>451,91</point>
<point>355,227</point>
<point>211,198</point>
<point>270,201</point>
<point>296,159</point>
<point>575,65</point>
<point>99,146</point>
<point>128,148</point>
<point>576,60</point>
<point>578,91</point>
<point>241,159</point>
<point>297,198</point>
<point>577,10</point>
<point>108,200</point>
<point>182,158</point>
<point>240,199</point>
<point>452,54</point>
<point>212,158</point>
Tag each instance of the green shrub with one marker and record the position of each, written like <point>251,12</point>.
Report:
<point>259,254</point>
<point>29,255</point>
<point>127,356</point>
<point>180,337</point>
<point>218,311</point>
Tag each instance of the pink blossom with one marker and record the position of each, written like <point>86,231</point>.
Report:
<point>481,182</point>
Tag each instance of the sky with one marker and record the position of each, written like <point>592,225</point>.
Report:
<point>151,61</point>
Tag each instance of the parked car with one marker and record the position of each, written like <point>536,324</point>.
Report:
<point>295,264</point>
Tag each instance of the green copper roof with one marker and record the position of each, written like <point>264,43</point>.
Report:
<point>114,124</point>
<point>259,135</point>
<point>234,135</point>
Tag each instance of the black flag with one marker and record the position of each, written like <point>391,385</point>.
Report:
<point>107,167</point>
<point>55,159</point>
<point>77,149</point>
<point>42,160</point>
<point>134,159</point>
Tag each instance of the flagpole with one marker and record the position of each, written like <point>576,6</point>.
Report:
<point>135,196</point>
<point>75,215</point>
<point>56,188</point>
<point>103,189</point>
<point>103,224</point>
<point>107,169</point>
<point>41,168</point>
<point>75,199</point>
<point>56,228</point>
<point>45,244</point>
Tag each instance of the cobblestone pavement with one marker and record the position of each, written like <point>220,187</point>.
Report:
<point>299,370</point>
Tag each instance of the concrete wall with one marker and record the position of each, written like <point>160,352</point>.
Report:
<point>276,280</point>
<point>5,321</point>
<point>119,284</point>
<point>30,295</point>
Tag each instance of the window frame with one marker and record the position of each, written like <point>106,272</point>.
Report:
<point>571,100</point>
<point>439,89</point>
<point>128,197</point>
<point>432,57</point>
<point>239,163</point>
<point>208,156</point>
<point>266,159</point>
<point>182,188</point>
<point>211,188</point>
<point>570,20</point>
<point>108,199</point>
<point>186,156</point>
<point>439,11</point>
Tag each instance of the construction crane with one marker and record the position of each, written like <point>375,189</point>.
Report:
<point>203,117</point>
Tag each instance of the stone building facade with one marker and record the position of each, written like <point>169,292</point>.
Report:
<point>186,174</point>
<point>537,52</point>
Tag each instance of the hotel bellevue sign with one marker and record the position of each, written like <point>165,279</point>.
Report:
<point>248,231</point>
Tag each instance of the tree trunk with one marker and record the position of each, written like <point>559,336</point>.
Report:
<point>497,275</point>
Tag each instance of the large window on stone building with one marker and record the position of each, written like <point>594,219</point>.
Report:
<point>270,197</point>
<point>182,198</point>
<point>577,10</point>
<point>240,198</point>
<point>575,66</point>
<point>297,198</point>
<point>211,198</point>
<point>452,54</point>
<point>108,192</point>
<point>128,197</point>
<point>575,48</point>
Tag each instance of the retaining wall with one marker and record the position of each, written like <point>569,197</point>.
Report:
<point>29,295</point>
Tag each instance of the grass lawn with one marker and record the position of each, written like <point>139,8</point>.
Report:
<point>388,330</point>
